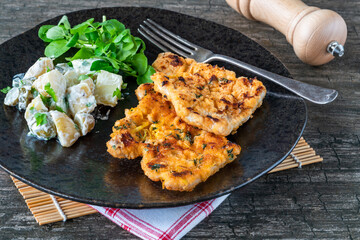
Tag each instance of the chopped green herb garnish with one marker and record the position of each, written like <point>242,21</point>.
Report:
<point>5,90</point>
<point>230,154</point>
<point>117,93</point>
<point>155,122</point>
<point>145,149</point>
<point>114,147</point>
<point>198,95</point>
<point>46,100</point>
<point>59,109</point>
<point>224,80</point>
<point>198,161</point>
<point>124,85</point>
<point>156,166</point>
<point>40,118</point>
<point>48,69</point>
<point>83,77</point>
<point>76,127</point>
<point>66,100</point>
<point>204,146</point>
<point>50,91</point>
<point>34,92</point>
<point>188,137</point>
<point>89,104</point>
<point>178,129</point>
<point>178,137</point>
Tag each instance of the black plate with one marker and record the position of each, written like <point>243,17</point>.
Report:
<point>87,173</point>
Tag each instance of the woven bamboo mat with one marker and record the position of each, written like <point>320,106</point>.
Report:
<point>48,209</point>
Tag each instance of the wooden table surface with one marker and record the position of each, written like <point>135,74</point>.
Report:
<point>317,201</point>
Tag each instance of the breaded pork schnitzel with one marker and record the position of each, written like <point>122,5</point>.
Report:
<point>175,153</point>
<point>206,96</point>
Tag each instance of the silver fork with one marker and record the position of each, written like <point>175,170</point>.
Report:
<point>168,41</point>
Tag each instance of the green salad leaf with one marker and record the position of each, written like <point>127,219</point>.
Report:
<point>64,21</point>
<point>42,32</point>
<point>56,48</point>
<point>55,33</point>
<point>109,40</point>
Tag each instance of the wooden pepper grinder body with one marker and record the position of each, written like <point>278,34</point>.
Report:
<point>315,34</point>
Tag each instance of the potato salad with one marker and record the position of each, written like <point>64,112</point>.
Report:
<point>59,99</point>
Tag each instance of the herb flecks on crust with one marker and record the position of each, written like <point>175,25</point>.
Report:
<point>173,152</point>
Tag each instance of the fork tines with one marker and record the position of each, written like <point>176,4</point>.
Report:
<point>166,40</point>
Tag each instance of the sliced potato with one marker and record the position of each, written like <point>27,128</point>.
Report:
<point>89,82</point>
<point>25,96</point>
<point>40,67</point>
<point>44,129</point>
<point>24,86</point>
<point>72,78</point>
<point>85,122</point>
<point>12,97</point>
<point>106,84</point>
<point>65,128</point>
<point>61,105</point>
<point>63,68</point>
<point>82,66</point>
<point>17,80</point>
<point>36,105</point>
<point>81,99</point>
<point>57,82</point>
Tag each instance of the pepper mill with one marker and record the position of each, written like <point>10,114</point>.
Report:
<point>317,35</point>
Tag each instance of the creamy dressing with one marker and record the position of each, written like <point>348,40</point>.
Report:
<point>82,66</point>
<point>45,131</point>
<point>64,108</point>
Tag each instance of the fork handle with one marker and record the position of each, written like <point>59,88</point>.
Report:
<point>309,92</point>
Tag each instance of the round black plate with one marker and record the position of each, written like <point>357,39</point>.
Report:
<point>86,173</point>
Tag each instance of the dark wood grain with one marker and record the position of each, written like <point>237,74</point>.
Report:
<point>318,201</point>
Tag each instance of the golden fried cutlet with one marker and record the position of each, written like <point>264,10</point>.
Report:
<point>175,153</point>
<point>207,96</point>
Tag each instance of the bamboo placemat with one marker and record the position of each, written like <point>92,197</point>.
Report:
<point>48,209</point>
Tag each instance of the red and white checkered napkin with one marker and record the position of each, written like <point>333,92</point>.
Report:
<point>161,223</point>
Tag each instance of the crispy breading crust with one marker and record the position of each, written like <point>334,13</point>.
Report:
<point>207,96</point>
<point>175,153</point>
